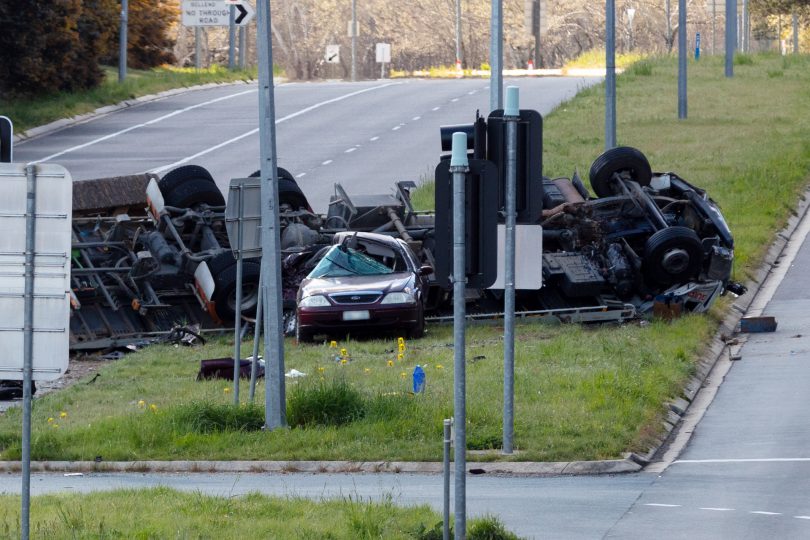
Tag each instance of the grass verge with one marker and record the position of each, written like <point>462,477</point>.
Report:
<point>32,112</point>
<point>166,513</point>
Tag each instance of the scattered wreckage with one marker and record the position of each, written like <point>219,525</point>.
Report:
<point>647,239</point>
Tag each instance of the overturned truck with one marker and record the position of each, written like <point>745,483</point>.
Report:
<point>647,239</point>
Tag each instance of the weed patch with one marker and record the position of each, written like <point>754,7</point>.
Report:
<point>205,417</point>
<point>325,403</point>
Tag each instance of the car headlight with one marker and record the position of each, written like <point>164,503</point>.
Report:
<point>398,298</point>
<point>316,300</point>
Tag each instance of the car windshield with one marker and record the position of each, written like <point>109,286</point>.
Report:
<point>341,262</point>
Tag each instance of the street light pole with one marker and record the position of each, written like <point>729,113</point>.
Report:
<point>610,74</point>
<point>458,34</point>
<point>354,40</point>
<point>631,13</point>
<point>496,57</point>
<point>682,59</point>
<point>122,42</point>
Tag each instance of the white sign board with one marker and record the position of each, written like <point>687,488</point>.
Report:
<point>528,257</point>
<point>332,54</point>
<point>251,214</point>
<point>383,53</point>
<point>215,13</point>
<point>54,201</point>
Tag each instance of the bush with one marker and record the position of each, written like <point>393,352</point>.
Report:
<point>201,417</point>
<point>325,403</point>
<point>43,51</point>
<point>489,528</point>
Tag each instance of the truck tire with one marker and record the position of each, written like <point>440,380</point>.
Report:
<point>289,192</point>
<point>672,255</point>
<point>193,192</point>
<point>621,158</point>
<point>181,175</point>
<point>282,173</point>
<point>223,269</point>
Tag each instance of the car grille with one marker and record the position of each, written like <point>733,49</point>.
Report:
<point>367,297</point>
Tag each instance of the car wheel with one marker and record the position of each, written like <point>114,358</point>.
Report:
<point>193,192</point>
<point>302,335</point>
<point>223,269</point>
<point>417,330</point>
<point>672,255</point>
<point>621,158</point>
<point>181,175</point>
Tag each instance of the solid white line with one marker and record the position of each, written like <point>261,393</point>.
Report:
<point>278,121</point>
<point>144,124</point>
<point>765,513</point>
<point>435,108</point>
<point>663,505</point>
<point>802,517</point>
<point>719,509</point>
<point>752,460</point>
<point>373,139</point>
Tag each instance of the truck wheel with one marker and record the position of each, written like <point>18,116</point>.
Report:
<point>223,269</point>
<point>672,255</point>
<point>282,173</point>
<point>621,158</point>
<point>181,175</point>
<point>193,192</point>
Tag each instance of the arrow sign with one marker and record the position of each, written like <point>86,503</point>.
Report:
<point>244,14</point>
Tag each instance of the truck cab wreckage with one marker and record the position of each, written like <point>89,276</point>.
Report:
<point>647,240</point>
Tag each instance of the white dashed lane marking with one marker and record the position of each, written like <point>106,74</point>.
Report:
<point>415,118</point>
<point>435,108</point>
<point>802,517</point>
<point>719,509</point>
<point>723,509</point>
<point>301,175</point>
<point>454,99</point>
<point>763,513</point>
<point>373,139</point>
<point>350,150</point>
<point>327,162</point>
<point>664,505</point>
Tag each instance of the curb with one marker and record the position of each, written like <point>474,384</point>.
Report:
<point>107,109</point>
<point>513,468</point>
<point>724,341</point>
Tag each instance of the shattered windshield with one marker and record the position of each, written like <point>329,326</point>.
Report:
<point>340,263</point>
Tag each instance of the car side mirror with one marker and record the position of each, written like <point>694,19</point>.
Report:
<point>425,270</point>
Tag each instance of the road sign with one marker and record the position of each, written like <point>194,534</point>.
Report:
<point>6,140</point>
<point>332,54</point>
<point>51,288</point>
<point>383,53</point>
<point>215,13</point>
<point>247,209</point>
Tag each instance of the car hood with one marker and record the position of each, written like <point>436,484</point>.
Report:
<point>385,283</point>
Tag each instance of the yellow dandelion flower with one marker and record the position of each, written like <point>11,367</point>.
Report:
<point>321,369</point>
<point>439,366</point>
<point>333,344</point>
<point>390,363</point>
<point>63,414</point>
<point>343,361</point>
<point>141,403</point>
<point>153,407</point>
<point>403,374</point>
<point>50,420</point>
<point>367,370</point>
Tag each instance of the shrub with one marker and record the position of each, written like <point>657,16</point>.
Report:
<point>489,528</point>
<point>743,59</point>
<point>325,403</point>
<point>202,417</point>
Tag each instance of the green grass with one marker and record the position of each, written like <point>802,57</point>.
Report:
<point>581,393</point>
<point>28,113</point>
<point>167,513</point>
<point>595,58</point>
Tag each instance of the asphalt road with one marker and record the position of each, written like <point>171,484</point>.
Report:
<point>365,135</point>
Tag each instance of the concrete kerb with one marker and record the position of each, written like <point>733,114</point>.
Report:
<point>511,468</point>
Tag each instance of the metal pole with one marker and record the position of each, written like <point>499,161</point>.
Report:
<point>254,361</point>
<point>237,322</point>
<point>795,32</point>
<point>511,115</point>
<point>122,42</point>
<point>197,47</point>
<point>668,10</point>
<point>714,25</point>
<point>458,33</point>
<point>731,37</point>
<point>242,46</point>
<point>446,470</point>
<point>537,32</point>
<point>232,37</point>
<point>610,74</point>
<point>682,53</point>
<point>459,167</point>
<point>275,411</point>
<point>496,57</point>
<point>745,21</point>
<point>354,40</point>
<point>28,345</point>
